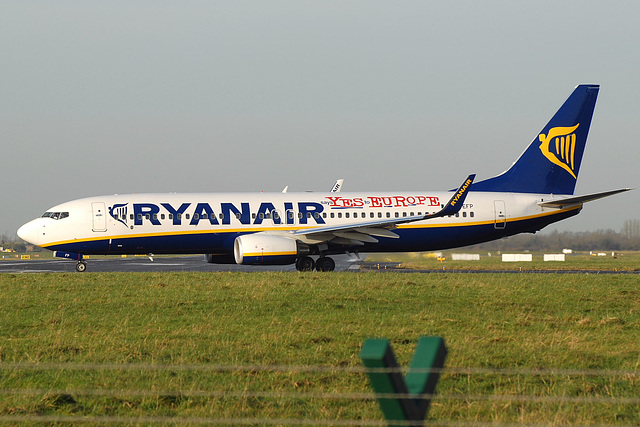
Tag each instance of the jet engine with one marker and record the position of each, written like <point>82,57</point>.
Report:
<point>267,249</point>
<point>222,258</point>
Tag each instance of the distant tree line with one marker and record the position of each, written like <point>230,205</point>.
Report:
<point>13,243</point>
<point>628,239</point>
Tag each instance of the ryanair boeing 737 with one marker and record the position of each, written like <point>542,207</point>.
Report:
<point>306,228</point>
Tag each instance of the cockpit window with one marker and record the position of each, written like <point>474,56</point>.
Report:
<point>55,215</point>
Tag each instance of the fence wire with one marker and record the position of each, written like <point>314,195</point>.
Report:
<point>629,375</point>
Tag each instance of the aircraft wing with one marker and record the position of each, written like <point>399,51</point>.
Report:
<point>577,200</point>
<point>367,231</point>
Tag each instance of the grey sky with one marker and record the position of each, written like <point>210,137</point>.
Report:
<point>157,96</point>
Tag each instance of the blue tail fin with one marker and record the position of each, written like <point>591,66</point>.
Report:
<point>552,162</point>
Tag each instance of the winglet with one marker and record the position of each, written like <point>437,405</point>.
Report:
<point>337,186</point>
<point>455,203</point>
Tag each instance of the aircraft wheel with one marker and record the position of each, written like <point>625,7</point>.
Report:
<point>325,264</point>
<point>81,266</point>
<point>305,263</point>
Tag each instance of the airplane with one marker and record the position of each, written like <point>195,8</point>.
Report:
<point>305,229</point>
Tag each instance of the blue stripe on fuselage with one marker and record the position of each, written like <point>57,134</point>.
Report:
<point>411,239</point>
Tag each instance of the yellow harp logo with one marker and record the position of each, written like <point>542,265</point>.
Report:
<point>559,146</point>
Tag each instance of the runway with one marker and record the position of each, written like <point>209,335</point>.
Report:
<point>144,264</point>
<point>197,263</point>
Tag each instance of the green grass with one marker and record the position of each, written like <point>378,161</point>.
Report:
<point>536,321</point>
<point>623,261</point>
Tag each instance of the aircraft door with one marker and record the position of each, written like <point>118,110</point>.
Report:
<point>290,217</point>
<point>276,217</point>
<point>500,214</point>
<point>99,216</point>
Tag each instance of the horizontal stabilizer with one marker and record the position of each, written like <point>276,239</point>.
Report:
<point>570,201</point>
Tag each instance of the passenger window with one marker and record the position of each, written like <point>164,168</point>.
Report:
<point>471,214</point>
<point>404,214</point>
<point>379,214</point>
<point>186,216</point>
<point>333,215</point>
<point>371,214</point>
<point>464,214</point>
<point>388,214</point>
<point>339,214</point>
<point>237,216</point>
<point>196,216</point>
<point>170,216</point>
<point>161,216</point>
<point>346,215</point>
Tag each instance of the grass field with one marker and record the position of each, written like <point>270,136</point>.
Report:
<point>146,344</point>
<point>623,261</point>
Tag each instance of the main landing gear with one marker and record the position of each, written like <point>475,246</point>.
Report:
<point>324,263</point>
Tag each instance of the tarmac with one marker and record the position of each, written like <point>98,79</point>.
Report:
<point>144,264</point>
<point>197,263</point>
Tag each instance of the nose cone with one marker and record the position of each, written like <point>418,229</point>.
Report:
<point>31,232</point>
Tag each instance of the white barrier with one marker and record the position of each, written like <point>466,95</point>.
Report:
<point>554,257</point>
<point>517,257</point>
<point>465,257</point>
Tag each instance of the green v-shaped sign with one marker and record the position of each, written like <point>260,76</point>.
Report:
<point>413,391</point>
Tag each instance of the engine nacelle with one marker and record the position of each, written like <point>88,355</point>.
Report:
<point>224,258</point>
<point>265,249</point>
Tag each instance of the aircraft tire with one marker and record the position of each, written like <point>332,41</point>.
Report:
<point>325,264</point>
<point>305,263</point>
<point>81,266</point>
